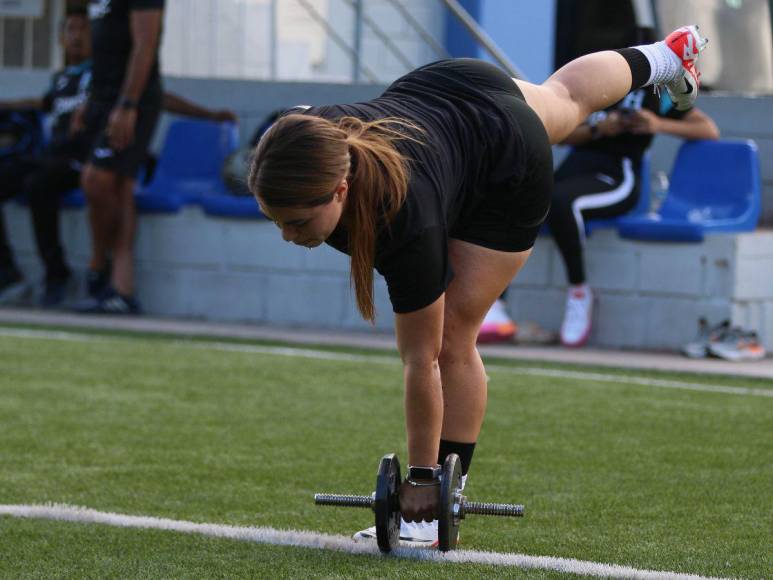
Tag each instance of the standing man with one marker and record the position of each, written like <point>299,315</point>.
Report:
<point>125,102</point>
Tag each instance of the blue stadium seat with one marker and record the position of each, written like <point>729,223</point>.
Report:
<point>189,165</point>
<point>714,187</point>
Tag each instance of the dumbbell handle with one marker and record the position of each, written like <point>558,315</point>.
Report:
<point>492,509</point>
<point>363,501</point>
<point>468,507</point>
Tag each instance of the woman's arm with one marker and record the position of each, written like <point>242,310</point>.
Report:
<point>419,338</point>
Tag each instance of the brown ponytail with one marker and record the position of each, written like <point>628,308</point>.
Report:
<point>303,158</point>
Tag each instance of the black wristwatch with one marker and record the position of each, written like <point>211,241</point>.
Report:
<point>419,476</point>
<point>127,103</point>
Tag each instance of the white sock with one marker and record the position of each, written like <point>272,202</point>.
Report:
<point>464,481</point>
<point>665,65</point>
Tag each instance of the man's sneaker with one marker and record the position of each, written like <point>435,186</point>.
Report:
<point>412,534</point>
<point>577,317</point>
<point>699,347</point>
<point>109,302</point>
<point>497,326</point>
<point>738,345</point>
<point>686,43</point>
<point>12,286</point>
<point>97,281</point>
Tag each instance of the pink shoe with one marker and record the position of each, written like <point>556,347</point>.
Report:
<point>687,43</point>
<point>497,326</point>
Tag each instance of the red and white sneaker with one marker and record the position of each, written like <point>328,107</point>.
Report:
<point>687,44</point>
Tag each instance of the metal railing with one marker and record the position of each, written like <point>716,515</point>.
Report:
<point>362,23</point>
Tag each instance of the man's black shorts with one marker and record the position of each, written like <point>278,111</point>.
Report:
<point>126,162</point>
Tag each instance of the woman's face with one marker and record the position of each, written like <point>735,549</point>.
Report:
<point>309,226</point>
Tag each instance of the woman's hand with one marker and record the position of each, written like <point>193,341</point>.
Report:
<point>419,503</point>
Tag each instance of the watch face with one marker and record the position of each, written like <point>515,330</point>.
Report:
<point>422,473</point>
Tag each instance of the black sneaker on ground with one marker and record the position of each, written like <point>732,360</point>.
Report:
<point>97,281</point>
<point>55,292</point>
<point>12,286</point>
<point>109,302</point>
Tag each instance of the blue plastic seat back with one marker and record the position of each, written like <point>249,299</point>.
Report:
<point>195,149</point>
<point>715,184</point>
<point>191,159</point>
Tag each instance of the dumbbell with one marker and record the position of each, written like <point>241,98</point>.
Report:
<point>385,502</point>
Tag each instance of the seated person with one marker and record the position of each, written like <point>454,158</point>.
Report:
<point>57,169</point>
<point>600,179</point>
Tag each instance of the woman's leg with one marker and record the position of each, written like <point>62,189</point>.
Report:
<point>481,276</point>
<point>598,80</point>
<point>582,86</point>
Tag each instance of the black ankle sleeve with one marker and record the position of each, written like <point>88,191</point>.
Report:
<point>463,450</point>
<point>640,66</point>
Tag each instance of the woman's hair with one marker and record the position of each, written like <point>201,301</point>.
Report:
<point>301,160</point>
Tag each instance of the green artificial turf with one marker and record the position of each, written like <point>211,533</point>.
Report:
<point>610,472</point>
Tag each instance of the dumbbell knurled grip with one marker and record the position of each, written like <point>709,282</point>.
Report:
<point>364,501</point>
<point>493,509</point>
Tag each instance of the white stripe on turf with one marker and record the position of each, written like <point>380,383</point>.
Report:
<point>302,539</point>
<point>391,360</point>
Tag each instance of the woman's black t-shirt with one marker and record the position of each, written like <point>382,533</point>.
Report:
<point>469,145</point>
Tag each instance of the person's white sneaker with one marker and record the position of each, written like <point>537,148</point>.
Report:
<point>412,534</point>
<point>497,326</point>
<point>686,43</point>
<point>577,318</point>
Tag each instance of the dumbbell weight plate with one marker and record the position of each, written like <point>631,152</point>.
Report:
<point>451,482</point>
<point>387,503</point>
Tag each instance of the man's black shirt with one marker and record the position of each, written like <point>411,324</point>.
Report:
<point>69,89</point>
<point>111,42</point>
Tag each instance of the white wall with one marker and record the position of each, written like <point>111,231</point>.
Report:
<point>232,39</point>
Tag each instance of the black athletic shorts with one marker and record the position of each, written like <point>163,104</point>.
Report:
<point>126,162</point>
<point>510,218</point>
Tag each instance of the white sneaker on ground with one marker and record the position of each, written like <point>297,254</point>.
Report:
<point>412,535</point>
<point>497,326</point>
<point>577,318</point>
<point>686,43</point>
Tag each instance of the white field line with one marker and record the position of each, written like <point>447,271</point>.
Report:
<point>391,360</point>
<point>264,535</point>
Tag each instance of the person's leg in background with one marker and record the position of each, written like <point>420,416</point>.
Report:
<point>109,180</point>
<point>44,188</point>
<point>112,221</point>
<point>12,176</point>
<point>587,185</point>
